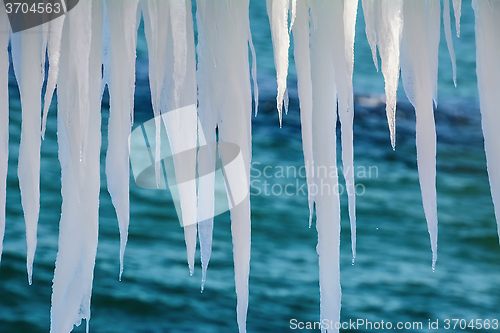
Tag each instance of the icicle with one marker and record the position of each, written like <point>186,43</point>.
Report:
<point>277,11</point>
<point>346,111</point>
<point>457,8</point>
<point>419,60</point>
<point>79,97</point>
<point>122,17</point>
<point>449,41</point>
<point>328,29</point>
<point>207,63</point>
<point>303,66</point>
<point>384,28</point>
<point>487,16</point>
<point>28,66</point>
<point>54,51</point>
<point>177,52</point>
<point>4,118</point>
<point>225,97</point>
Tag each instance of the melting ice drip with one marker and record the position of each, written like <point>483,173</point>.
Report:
<point>96,33</point>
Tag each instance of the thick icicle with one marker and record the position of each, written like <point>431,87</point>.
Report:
<point>277,10</point>
<point>4,118</point>
<point>384,28</point>
<point>122,16</point>
<point>303,67</point>
<point>225,100</point>
<point>28,59</point>
<point>170,37</point>
<point>54,52</point>
<point>449,41</point>
<point>488,76</point>
<point>419,62</point>
<point>183,133</point>
<point>79,97</point>
<point>457,8</point>
<point>328,22</point>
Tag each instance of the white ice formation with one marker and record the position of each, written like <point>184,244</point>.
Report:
<point>215,75</point>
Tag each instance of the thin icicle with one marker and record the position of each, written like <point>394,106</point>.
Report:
<point>4,118</point>
<point>54,52</point>
<point>28,66</point>
<point>419,58</point>
<point>346,111</point>
<point>78,95</point>
<point>449,41</point>
<point>225,97</point>
<point>277,10</point>
<point>488,76</point>
<point>457,8</point>
<point>122,16</point>
<point>303,67</point>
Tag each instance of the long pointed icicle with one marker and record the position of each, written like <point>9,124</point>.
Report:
<point>277,11</point>
<point>28,59</point>
<point>384,28</point>
<point>419,57</point>
<point>344,65</point>
<point>449,41</point>
<point>122,16</point>
<point>327,21</point>
<point>207,82</point>
<point>4,118</point>
<point>182,127</point>
<point>226,97</point>
<point>488,77</point>
<point>79,96</point>
<point>303,65</point>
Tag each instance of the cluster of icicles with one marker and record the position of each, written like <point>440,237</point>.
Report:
<point>215,74</point>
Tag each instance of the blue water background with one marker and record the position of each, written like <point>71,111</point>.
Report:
<point>392,279</point>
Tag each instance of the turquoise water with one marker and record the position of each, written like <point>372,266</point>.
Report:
<point>392,279</point>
